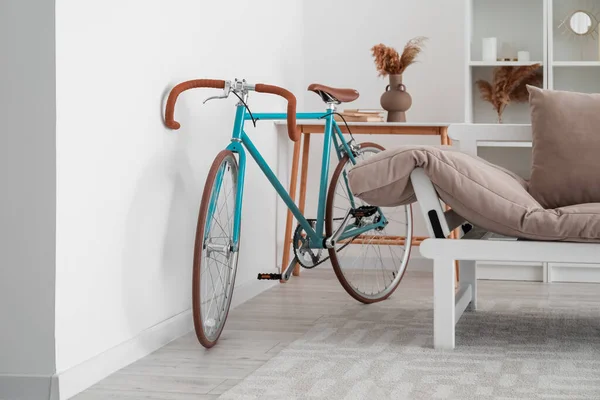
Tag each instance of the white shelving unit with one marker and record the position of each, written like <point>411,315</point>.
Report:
<point>569,62</point>
<point>517,25</point>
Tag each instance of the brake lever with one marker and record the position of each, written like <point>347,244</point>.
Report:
<point>226,91</point>
<point>216,98</point>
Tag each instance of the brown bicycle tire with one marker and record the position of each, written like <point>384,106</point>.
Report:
<point>198,248</point>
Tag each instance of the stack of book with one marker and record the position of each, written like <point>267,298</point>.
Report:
<point>361,116</point>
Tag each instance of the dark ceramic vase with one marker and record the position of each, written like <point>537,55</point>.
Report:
<point>396,100</point>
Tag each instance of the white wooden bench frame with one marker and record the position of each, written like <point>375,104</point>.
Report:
<point>448,303</point>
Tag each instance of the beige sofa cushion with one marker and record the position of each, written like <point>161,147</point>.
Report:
<point>566,147</point>
<point>482,193</point>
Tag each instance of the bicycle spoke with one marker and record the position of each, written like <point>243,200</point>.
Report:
<point>224,285</point>
<point>220,226</point>
<point>212,299</point>
<point>395,220</point>
<point>383,274</point>
<point>344,194</point>
<point>226,206</point>
<point>221,262</point>
<point>218,270</point>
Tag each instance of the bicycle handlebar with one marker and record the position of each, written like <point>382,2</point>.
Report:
<point>182,87</point>
<point>293,133</point>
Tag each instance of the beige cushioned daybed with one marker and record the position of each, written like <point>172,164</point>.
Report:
<point>482,193</point>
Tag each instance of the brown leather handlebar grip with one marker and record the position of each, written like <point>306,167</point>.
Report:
<point>182,87</point>
<point>293,132</point>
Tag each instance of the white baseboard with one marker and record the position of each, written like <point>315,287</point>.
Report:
<point>86,374</point>
<point>28,387</point>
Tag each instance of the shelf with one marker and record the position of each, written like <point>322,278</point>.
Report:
<point>576,63</point>
<point>503,63</point>
<point>576,79</point>
<point>490,143</point>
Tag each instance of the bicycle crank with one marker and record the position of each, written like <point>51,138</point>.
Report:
<point>307,257</point>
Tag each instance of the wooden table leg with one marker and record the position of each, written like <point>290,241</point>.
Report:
<point>303,181</point>
<point>444,136</point>
<point>287,240</point>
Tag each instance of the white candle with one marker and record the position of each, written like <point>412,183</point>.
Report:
<point>524,56</point>
<point>490,49</point>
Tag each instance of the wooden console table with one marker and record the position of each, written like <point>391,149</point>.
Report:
<point>359,128</point>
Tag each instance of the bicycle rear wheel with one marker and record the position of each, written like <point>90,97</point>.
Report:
<point>215,262</point>
<point>371,265</point>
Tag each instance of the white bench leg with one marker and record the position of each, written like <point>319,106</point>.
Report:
<point>468,276</point>
<point>443,304</point>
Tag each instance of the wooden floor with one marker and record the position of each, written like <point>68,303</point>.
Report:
<point>257,330</point>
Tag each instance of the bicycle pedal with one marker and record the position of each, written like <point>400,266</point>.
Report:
<point>269,277</point>
<point>364,211</point>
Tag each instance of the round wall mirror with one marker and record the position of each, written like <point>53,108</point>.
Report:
<point>580,23</point>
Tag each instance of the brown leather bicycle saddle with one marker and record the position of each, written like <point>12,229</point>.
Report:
<point>329,94</point>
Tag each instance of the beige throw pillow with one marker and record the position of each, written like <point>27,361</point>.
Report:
<point>566,147</point>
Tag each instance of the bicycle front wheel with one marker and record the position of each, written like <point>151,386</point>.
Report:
<point>371,265</point>
<point>215,261</point>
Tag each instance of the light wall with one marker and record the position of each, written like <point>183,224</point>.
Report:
<point>128,188</point>
<point>28,199</point>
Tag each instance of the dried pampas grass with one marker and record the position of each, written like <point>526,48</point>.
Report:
<point>518,76</point>
<point>520,94</point>
<point>389,62</point>
<point>509,84</point>
<point>486,90</point>
<point>413,48</point>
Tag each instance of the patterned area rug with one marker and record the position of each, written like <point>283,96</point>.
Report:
<point>386,353</point>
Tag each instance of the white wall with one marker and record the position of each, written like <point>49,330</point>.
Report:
<point>27,200</point>
<point>128,188</point>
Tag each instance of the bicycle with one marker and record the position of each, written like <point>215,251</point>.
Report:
<point>352,232</point>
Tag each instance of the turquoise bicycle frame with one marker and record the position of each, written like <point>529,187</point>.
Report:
<point>240,142</point>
